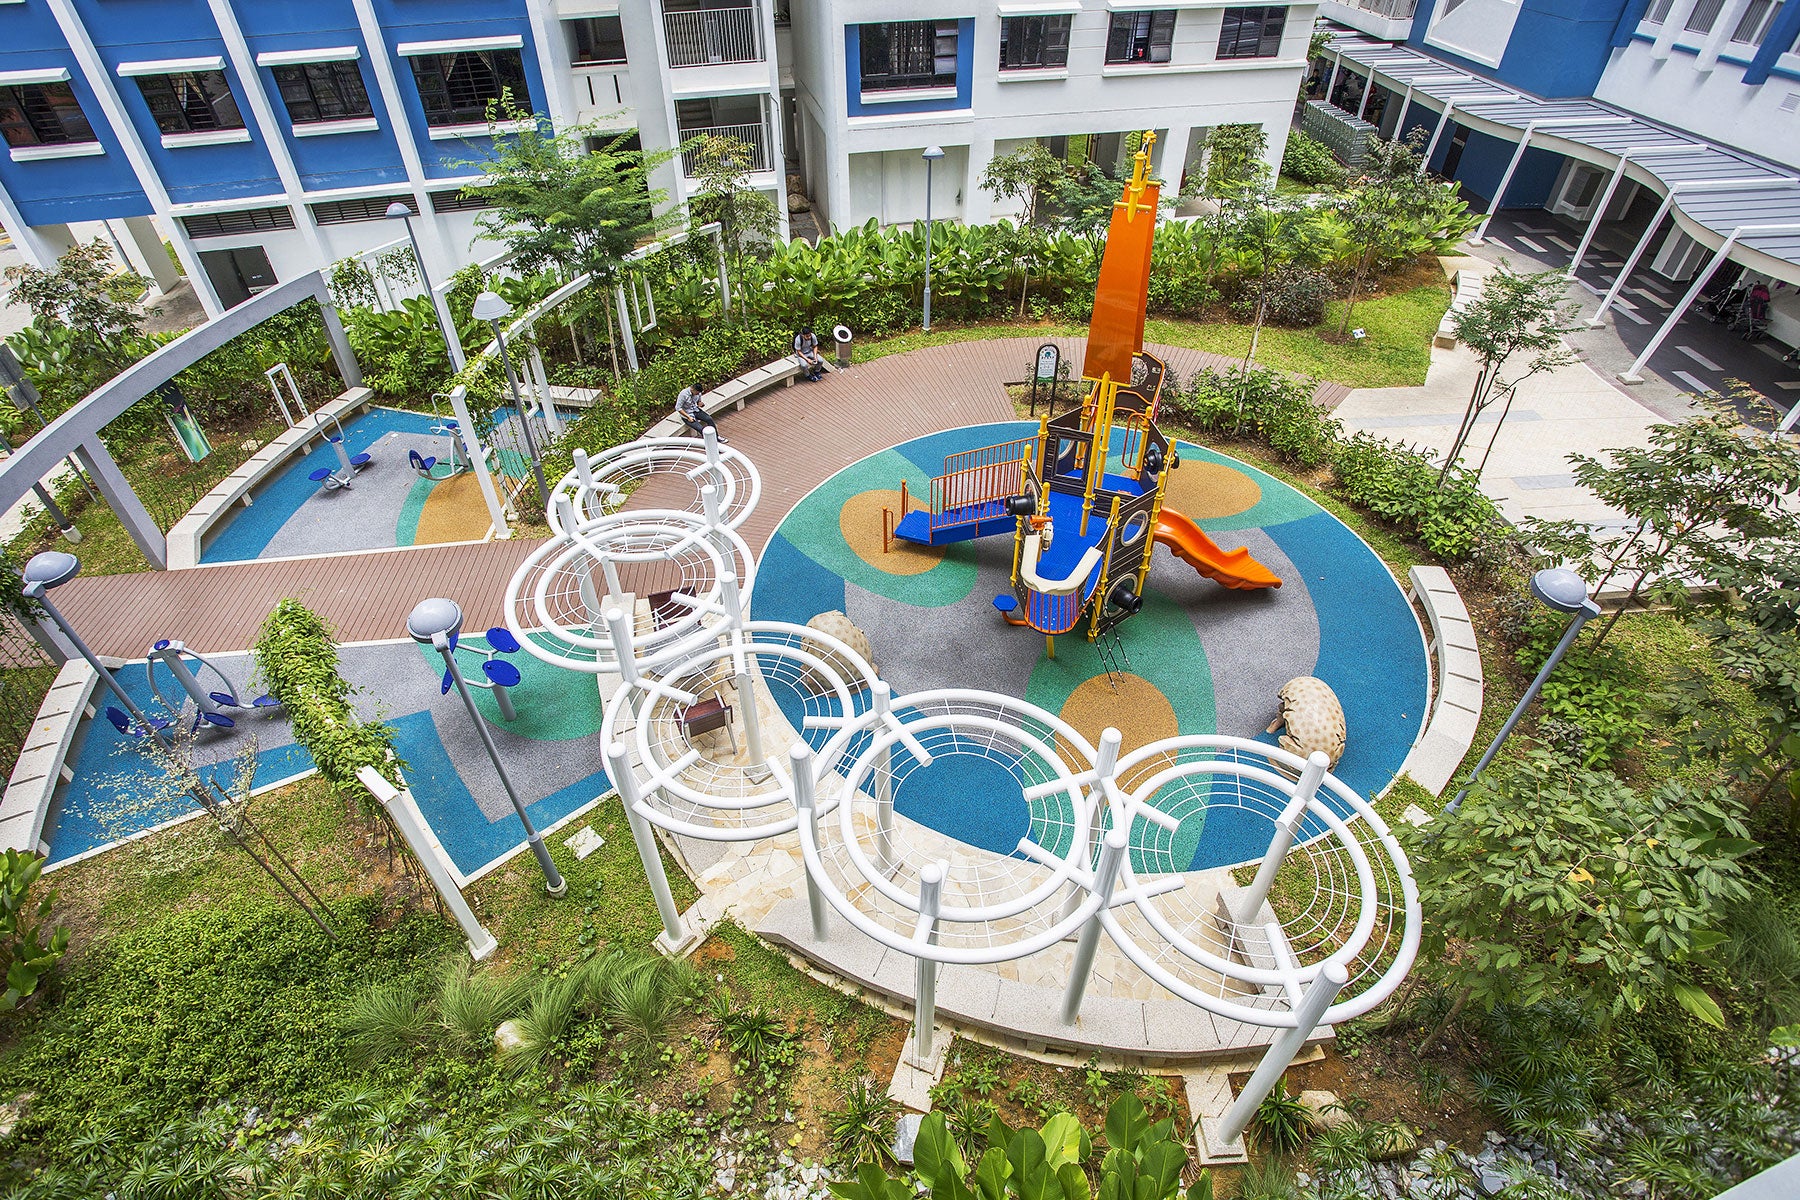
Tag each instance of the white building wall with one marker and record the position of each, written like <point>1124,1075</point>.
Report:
<point>1717,104</point>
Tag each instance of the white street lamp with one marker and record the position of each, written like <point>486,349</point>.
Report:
<point>491,308</point>
<point>931,155</point>
<point>436,623</point>
<point>51,569</point>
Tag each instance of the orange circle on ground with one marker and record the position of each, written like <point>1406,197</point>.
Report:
<point>1136,708</point>
<point>454,512</point>
<point>1200,490</point>
<point>860,522</point>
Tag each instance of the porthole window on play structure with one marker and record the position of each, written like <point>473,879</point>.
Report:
<point>1135,529</point>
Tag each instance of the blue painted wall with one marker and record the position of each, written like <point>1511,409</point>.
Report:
<point>56,191</point>
<point>1484,161</point>
<point>339,160</point>
<point>435,20</point>
<point>965,65</point>
<point>1558,48</point>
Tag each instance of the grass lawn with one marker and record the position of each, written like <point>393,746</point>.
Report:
<point>1395,353</point>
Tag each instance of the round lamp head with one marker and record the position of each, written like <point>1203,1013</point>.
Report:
<point>933,153</point>
<point>398,209</point>
<point>1560,588</point>
<point>490,307</point>
<point>432,617</point>
<point>52,568</point>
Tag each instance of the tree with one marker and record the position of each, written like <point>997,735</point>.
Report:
<point>1028,175</point>
<point>1555,879</point>
<point>1382,207</point>
<point>747,216</point>
<point>1514,314</point>
<point>1235,169</point>
<point>555,203</point>
<point>87,295</point>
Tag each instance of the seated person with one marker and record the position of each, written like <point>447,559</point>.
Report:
<point>693,415</point>
<point>806,349</point>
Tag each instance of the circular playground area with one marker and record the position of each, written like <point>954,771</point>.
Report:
<point>1199,658</point>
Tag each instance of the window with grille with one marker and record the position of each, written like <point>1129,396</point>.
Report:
<point>1140,37</point>
<point>1703,16</point>
<point>446,202</point>
<point>908,54</point>
<point>596,40</point>
<point>42,114</point>
<point>249,220</point>
<point>1252,32</point>
<point>1659,11</point>
<point>456,89</point>
<point>190,102</point>
<point>1034,43</point>
<point>1753,26</point>
<point>323,91</point>
<point>362,208</point>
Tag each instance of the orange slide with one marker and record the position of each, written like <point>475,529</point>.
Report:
<point>1232,569</point>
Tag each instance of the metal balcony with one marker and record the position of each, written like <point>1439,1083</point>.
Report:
<point>754,135</point>
<point>701,37</point>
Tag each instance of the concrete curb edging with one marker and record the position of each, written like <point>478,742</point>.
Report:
<point>1456,699</point>
<point>39,770</point>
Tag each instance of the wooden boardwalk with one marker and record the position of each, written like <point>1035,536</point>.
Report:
<point>798,437</point>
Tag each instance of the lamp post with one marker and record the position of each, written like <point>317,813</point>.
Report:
<point>492,309</point>
<point>439,305</point>
<point>931,155</point>
<point>1566,592</point>
<point>52,569</point>
<point>436,623</point>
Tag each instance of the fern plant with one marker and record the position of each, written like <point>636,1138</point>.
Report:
<point>1282,1123</point>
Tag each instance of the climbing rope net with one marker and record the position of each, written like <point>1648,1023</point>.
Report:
<point>729,730</point>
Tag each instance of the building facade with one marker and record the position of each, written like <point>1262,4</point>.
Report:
<point>264,138</point>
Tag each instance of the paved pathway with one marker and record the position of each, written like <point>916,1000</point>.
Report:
<point>797,436</point>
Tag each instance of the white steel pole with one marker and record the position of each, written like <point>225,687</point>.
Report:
<point>1631,261</point>
<point>800,762</point>
<point>1506,177</point>
<point>931,902</point>
<point>882,694</point>
<point>465,429</point>
<point>1286,825</point>
<point>1330,981</point>
<point>618,765</point>
<point>1087,944</point>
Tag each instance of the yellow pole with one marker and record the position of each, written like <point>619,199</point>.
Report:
<point>1050,644</point>
<point>1099,597</point>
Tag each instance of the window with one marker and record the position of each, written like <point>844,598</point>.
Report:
<point>323,91</point>
<point>1139,37</point>
<point>459,201</point>
<point>1704,14</point>
<point>596,40</point>
<point>190,102</point>
<point>1252,32</point>
<point>362,208</point>
<point>42,114</point>
<point>249,220</point>
<point>908,54</point>
<point>457,88</point>
<point>1754,25</point>
<point>1034,43</point>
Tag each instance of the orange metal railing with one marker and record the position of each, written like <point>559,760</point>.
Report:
<point>979,479</point>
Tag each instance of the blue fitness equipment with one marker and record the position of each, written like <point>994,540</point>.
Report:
<point>497,674</point>
<point>426,467</point>
<point>348,464</point>
<point>212,709</point>
<point>124,725</point>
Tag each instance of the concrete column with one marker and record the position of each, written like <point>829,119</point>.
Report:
<point>1599,213</point>
<point>41,245</point>
<point>1723,24</point>
<point>125,504</point>
<point>349,370</point>
<point>978,205</point>
<point>1672,27</point>
<point>387,82</point>
<point>142,234</point>
<point>1174,152</point>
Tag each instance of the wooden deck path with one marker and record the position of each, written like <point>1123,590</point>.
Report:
<point>797,436</point>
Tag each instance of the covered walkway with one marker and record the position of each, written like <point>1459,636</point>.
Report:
<point>1732,206</point>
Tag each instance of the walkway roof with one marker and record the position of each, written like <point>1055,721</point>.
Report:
<point>1717,189</point>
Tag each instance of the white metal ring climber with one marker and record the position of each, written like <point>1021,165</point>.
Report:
<point>666,473</point>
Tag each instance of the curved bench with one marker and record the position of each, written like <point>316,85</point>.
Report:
<point>735,393</point>
<point>1466,284</point>
<point>1456,698</point>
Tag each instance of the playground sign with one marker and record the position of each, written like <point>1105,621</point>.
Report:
<point>1049,365</point>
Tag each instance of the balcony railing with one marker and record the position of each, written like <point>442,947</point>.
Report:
<point>754,136</point>
<point>1399,10</point>
<point>713,35</point>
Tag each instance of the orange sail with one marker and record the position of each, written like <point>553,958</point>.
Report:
<point>1116,332</point>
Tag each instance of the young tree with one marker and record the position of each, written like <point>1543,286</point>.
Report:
<point>747,216</point>
<point>1236,174</point>
<point>1382,207</point>
<point>86,293</point>
<point>1516,314</point>
<point>1554,879</point>
<point>555,203</point>
<point>1028,175</point>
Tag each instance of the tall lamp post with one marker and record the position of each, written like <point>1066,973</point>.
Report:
<point>1566,592</point>
<point>931,155</point>
<point>399,210</point>
<point>436,623</point>
<point>491,308</point>
<point>51,569</point>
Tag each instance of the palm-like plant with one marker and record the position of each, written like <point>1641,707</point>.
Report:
<point>860,1131</point>
<point>385,1019</point>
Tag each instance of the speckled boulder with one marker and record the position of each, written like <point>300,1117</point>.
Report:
<point>1314,719</point>
<point>837,625</point>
